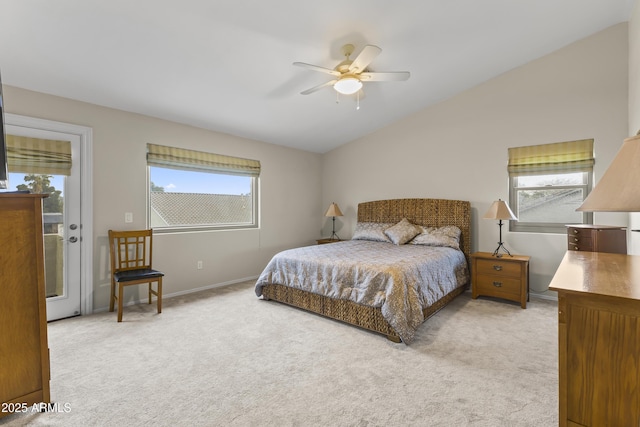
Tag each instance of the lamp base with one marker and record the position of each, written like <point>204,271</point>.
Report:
<point>334,236</point>
<point>497,253</point>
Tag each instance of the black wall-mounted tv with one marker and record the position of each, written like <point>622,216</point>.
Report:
<point>4,173</point>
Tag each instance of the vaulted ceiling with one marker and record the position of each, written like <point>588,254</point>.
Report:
<point>226,65</point>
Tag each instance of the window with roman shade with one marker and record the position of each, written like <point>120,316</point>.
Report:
<point>198,190</point>
<point>547,183</point>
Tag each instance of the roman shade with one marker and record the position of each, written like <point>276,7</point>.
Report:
<point>38,156</point>
<point>180,158</point>
<point>552,158</point>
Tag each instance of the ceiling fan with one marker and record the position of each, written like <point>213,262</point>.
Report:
<point>349,75</point>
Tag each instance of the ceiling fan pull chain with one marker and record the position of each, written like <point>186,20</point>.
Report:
<point>358,101</point>
<point>337,98</point>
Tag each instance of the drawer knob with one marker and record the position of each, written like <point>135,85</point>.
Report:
<point>575,239</point>
<point>575,231</point>
<point>497,284</point>
<point>497,267</point>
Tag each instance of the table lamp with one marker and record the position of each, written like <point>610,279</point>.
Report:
<point>333,211</point>
<point>619,188</point>
<point>500,210</point>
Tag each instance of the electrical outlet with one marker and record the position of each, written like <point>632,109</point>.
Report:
<point>199,265</point>
<point>128,217</point>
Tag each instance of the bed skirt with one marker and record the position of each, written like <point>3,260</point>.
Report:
<point>347,311</point>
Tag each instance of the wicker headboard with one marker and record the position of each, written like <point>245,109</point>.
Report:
<point>427,212</point>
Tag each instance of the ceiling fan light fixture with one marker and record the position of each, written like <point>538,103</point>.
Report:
<point>348,85</point>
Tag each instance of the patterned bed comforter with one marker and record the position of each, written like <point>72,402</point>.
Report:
<point>401,280</point>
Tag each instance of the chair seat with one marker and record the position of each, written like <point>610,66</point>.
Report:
<point>143,273</point>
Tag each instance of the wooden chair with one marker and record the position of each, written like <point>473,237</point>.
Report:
<point>131,253</point>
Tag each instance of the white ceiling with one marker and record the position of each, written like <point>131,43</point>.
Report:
<point>226,65</point>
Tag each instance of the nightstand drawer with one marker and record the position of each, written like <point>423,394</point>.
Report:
<point>499,286</point>
<point>497,267</point>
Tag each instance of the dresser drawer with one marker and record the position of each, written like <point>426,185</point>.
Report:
<point>499,268</point>
<point>597,238</point>
<point>586,245</point>
<point>579,232</point>
<point>502,287</point>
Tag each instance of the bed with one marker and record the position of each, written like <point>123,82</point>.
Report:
<point>339,280</point>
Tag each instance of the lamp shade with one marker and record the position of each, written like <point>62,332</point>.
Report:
<point>619,188</point>
<point>500,210</point>
<point>348,85</point>
<point>333,210</point>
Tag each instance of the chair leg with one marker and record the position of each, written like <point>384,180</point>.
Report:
<point>112,297</point>
<point>150,292</point>
<point>159,296</point>
<point>120,298</point>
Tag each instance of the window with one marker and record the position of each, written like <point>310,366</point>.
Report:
<point>547,183</point>
<point>195,190</point>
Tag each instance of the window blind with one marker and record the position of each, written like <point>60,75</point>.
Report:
<point>38,156</point>
<point>552,158</point>
<point>180,158</point>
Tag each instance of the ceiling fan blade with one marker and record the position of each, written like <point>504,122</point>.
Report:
<point>367,55</point>
<point>391,76</point>
<point>317,88</point>
<point>317,68</point>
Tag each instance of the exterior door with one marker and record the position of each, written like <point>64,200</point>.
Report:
<point>62,220</point>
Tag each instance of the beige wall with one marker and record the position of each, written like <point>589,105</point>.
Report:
<point>290,188</point>
<point>458,148</point>
<point>634,70</point>
<point>634,107</point>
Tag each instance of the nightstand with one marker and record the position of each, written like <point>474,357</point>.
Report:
<point>506,277</point>
<point>323,241</point>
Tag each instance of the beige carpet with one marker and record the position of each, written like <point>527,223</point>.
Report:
<point>223,357</point>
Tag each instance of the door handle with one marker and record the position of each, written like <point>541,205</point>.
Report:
<point>73,239</point>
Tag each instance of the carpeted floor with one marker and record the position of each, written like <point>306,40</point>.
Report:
<point>223,357</point>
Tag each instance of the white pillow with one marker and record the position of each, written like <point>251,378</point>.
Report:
<point>402,232</point>
<point>371,231</point>
<point>449,236</point>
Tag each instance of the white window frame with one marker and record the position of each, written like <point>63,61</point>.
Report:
<point>206,227</point>
<point>548,227</point>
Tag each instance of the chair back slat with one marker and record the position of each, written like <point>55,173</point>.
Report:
<point>130,250</point>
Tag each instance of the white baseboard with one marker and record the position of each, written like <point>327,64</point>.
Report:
<point>188,291</point>
<point>548,295</point>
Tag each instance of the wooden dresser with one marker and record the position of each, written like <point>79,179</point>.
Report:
<point>24,351</point>
<point>597,238</point>
<point>598,339</point>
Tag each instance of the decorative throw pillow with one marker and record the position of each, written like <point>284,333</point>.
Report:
<point>449,236</point>
<point>371,231</point>
<point>402,232</point>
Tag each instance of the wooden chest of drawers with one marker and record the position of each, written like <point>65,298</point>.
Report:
<point>598,339</point>
<point>506,277</point>
<point>597,238</point>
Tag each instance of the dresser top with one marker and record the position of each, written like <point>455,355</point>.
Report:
<point>599,273</point>
<point>596,227</point>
